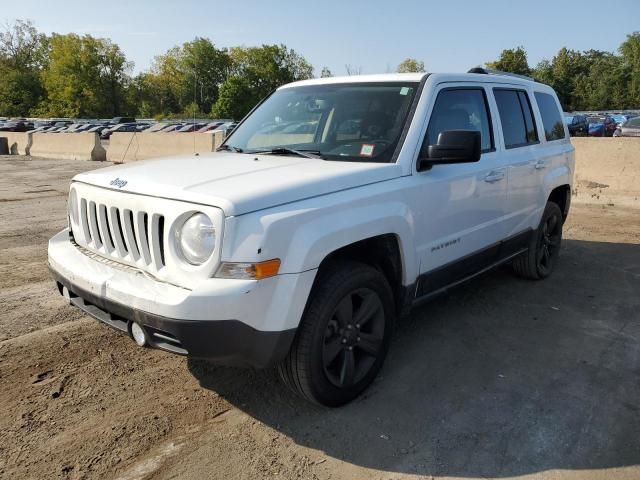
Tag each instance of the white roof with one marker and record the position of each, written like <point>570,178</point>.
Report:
<point>383,77</point>
<point>416,77</point>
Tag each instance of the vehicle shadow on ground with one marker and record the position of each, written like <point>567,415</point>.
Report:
<point>501,377</point>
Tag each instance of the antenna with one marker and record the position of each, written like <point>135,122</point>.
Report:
<point>195,102</point>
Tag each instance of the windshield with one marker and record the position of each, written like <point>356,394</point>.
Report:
<point>348,122</point>
<point>568,119</point>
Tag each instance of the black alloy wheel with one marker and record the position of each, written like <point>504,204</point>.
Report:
<point>353,337</point>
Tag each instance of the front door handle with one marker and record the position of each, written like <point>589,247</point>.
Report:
<point>540,164</point>
<point>494,176</point>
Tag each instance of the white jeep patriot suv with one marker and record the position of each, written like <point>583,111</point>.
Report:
<point>330,210</point>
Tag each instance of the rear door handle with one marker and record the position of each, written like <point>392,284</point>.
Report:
<point>540,164</point>
<point>494,176</point>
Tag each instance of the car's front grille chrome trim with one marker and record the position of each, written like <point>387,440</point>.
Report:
<point>135,230</point>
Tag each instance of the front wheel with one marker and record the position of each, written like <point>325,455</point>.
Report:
<point>343,336</point>
<point>539,261</point>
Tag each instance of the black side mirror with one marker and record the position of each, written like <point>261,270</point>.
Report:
<point>454,146</point>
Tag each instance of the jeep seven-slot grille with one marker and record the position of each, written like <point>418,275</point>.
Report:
<point>122,233</point>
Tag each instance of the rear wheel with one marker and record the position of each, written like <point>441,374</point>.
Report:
<point>343,337</point>
<point>539,261</point>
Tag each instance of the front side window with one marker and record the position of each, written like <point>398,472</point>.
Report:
<point>516,118</point>
<point>461,109</point>
<point>347,122</point>
<point>551,119</point>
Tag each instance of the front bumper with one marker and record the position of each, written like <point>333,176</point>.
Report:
<point>232,322</point>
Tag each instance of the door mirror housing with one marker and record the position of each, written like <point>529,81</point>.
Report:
<point>454,146</point>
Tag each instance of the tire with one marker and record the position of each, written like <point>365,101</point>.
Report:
<point>335,356</point>
<point>540,259</point>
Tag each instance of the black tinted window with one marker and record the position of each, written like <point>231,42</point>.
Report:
<point>551,119</point>
<point>532,134</point>
<point>461,109</point>
<point>516,118</point>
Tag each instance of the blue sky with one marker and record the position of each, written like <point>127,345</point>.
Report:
<point>375,35</point>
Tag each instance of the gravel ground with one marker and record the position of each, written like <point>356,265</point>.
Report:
<point>500,378</point>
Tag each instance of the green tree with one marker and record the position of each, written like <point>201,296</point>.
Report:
<point>630,51</point>
<point>603,85</point>
<point>85,77</point>
<point>255,73</point>
<point>512,60</point>
<point>325,73</point>
<point>235,100</point>
<point>562,73</point>
<point>411,65</point>
<point>23,54</point>
<point>192,72</point>
<point>206,69</point>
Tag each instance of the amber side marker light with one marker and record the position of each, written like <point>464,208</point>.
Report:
<point>249,271</point>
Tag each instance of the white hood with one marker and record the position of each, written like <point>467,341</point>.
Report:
<point>238,183</point>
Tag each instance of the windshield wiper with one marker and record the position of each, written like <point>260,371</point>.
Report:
<point>316,154</point>
<point>231,148</point>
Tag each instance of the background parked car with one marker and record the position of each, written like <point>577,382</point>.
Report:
<point>190,127</point>
<point>172,127</point>
<point>209,127</point>
<point>601,126</point>
<point>120,120</point>
<point>16,126</point>
<point>123,127</point>
<point>577,125</point>
<point>97,129</point>
<point>157,127</point>
<point>630,128</point>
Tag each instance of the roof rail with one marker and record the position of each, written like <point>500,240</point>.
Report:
<point>489,71</point>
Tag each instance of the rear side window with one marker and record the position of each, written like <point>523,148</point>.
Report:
<point>551,119</point>
<point>461,109</point>
<point>516,117</point>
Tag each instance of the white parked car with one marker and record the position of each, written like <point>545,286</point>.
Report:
<point>299,247</point>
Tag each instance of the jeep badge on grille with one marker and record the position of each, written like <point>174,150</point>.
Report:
<point>118,183</point>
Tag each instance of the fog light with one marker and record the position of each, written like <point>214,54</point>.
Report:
<point>138,334</point>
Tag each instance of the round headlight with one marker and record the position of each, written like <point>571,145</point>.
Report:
<point>197,239</point>
<point>72,206</point>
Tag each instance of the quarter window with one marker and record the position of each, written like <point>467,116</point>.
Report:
<point>516,117</point>
<point>551,119</point>
<point>461,109</point>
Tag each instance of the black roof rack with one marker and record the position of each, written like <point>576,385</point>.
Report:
<point>489,71</point>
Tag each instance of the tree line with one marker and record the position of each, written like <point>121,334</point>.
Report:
<point>82,76</point>
<point>588,80</point>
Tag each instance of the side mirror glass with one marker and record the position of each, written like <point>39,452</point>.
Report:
<point>454,146</point>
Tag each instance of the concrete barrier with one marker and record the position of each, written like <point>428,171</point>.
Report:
<point>129,147</point>
<point>607,170</point>
<point>68,146</point>
<point>18,142</point>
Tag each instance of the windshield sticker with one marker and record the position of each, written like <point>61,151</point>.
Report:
<point>404,90</point>
<point>366,150</point>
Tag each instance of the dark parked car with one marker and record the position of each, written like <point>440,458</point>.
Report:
<point>16,126</point>
<point>119,120</point>
<point>630,128</point>
<point>601,126</point>
<point>577,125</point>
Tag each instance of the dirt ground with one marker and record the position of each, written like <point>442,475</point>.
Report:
<point>501,378</point>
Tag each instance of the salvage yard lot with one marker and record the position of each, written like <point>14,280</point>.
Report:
<point>500,378</point>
